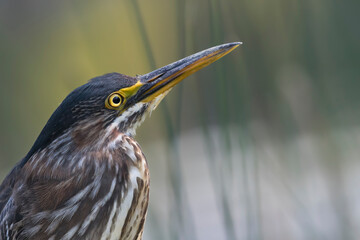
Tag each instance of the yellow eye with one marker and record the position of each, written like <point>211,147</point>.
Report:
<point>115,100</point>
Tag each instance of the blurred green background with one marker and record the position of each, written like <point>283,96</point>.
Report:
<point>263,144</point>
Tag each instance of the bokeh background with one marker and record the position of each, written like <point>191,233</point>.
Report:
<point>263,144</point>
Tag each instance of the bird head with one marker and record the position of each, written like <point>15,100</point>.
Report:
<point>118,102</point>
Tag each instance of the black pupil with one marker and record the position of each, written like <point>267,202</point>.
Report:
<point>116,99</point>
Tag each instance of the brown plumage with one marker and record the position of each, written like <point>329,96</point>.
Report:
<point>85,176</point>
<point>52,192</point>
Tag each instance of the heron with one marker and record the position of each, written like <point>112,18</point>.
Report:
<point>86,177</point>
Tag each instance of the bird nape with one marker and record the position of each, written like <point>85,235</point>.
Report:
<point>85,176</point>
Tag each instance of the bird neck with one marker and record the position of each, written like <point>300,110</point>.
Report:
<point>130,120</point>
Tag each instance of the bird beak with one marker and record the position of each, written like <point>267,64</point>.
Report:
<point>160,81</point>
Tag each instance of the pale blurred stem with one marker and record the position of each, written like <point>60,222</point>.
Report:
<point>216,175</point>
<point>180,13</point>
<point>249,169</point>
<point>240,92</point>
<point>221,84</point>
<point>222,106</point>
<point>253,214</point>
<point>243,136</point>
<point>174,169</point>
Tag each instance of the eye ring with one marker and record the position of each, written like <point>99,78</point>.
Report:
<point>115,100</point>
